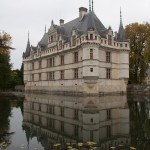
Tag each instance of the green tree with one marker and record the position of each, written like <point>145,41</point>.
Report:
<point>14,80</point>
<point>139,36</point>
<point>5,66</point>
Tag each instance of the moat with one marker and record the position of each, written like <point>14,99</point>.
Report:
<point>47,122</point>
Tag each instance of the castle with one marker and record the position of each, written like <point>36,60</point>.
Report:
<point>80,56</point>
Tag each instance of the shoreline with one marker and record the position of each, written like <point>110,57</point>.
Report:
<point>18,94</point>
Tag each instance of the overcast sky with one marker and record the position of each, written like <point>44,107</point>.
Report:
<point>17,17</point>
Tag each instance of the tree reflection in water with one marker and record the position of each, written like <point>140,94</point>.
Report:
<point>6,105</point>
<point>140,122</point>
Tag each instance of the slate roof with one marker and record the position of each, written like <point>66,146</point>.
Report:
<point>121,34</point>
<point>44,42</point>
<point>28,49</point>
<point>89,20</point>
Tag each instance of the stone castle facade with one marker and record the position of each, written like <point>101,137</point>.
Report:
<point>80,56</point>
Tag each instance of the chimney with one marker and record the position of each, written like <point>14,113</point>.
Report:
<point>116,35</point>
<point>82,12</point>
<point>61,22</point>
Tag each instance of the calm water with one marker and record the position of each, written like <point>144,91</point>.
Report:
<point>41,121</point>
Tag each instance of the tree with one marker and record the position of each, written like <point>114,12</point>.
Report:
<point>139,36</point>
<point>5,66</point>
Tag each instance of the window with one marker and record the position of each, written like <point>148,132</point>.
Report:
<point>108,114</point>
<point>32,77</point>
<point>76,130</point>
<point>108,131</point>
<point>33,66</point>
<point>40,64</point>
<point>62,75</point>
<point>109,40</point>
<point>39,76</point>
<point>32,105</point>
<point>50,123</point>
<point>62,111</point>
<point>126,45</point>
<point>62,126</point>
<point>51,62</point>
<point>62,60</point>
<point>95,37</point>
<point>60,44</point>
<point>51,109</point>
<point>87,37</point>
<point>50,76</point>
<point>121,45</point>
<point>39,107</point>
<point>32,117</point>
<point>91,135</point>
<point>91,36</point>
<point>91,53</point>
<point>76,114</point>
<point>76,57</point>
<point>74,40</point>
<point>76,73</point>
<point>52,39</point>
<point>108,73</point>
<point>107,56</point>
<point>91,69</point>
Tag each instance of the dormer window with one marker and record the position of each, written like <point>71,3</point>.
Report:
<point>74,40</point>
<point>109,40</point>
<point>52,38</point>
<point>60,44</point>
<point>91,36</point>
<point>87,37</point>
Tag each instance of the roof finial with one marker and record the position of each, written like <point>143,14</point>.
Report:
<point>89,5</point>
<point>28,36</point>
<point>45,28</point>
<point>120,17</point>
<point>92,6</point>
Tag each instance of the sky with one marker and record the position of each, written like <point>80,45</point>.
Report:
<point>17,17</point>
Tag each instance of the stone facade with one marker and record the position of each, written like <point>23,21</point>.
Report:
<point>81,56</point>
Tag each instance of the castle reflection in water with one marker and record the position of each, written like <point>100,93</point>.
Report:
<point>61,119</point>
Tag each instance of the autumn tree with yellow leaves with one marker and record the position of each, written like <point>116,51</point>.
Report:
<point>139,36</point>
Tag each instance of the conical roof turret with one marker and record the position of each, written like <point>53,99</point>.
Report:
<point>121,33</point>
<point>28,48</point>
